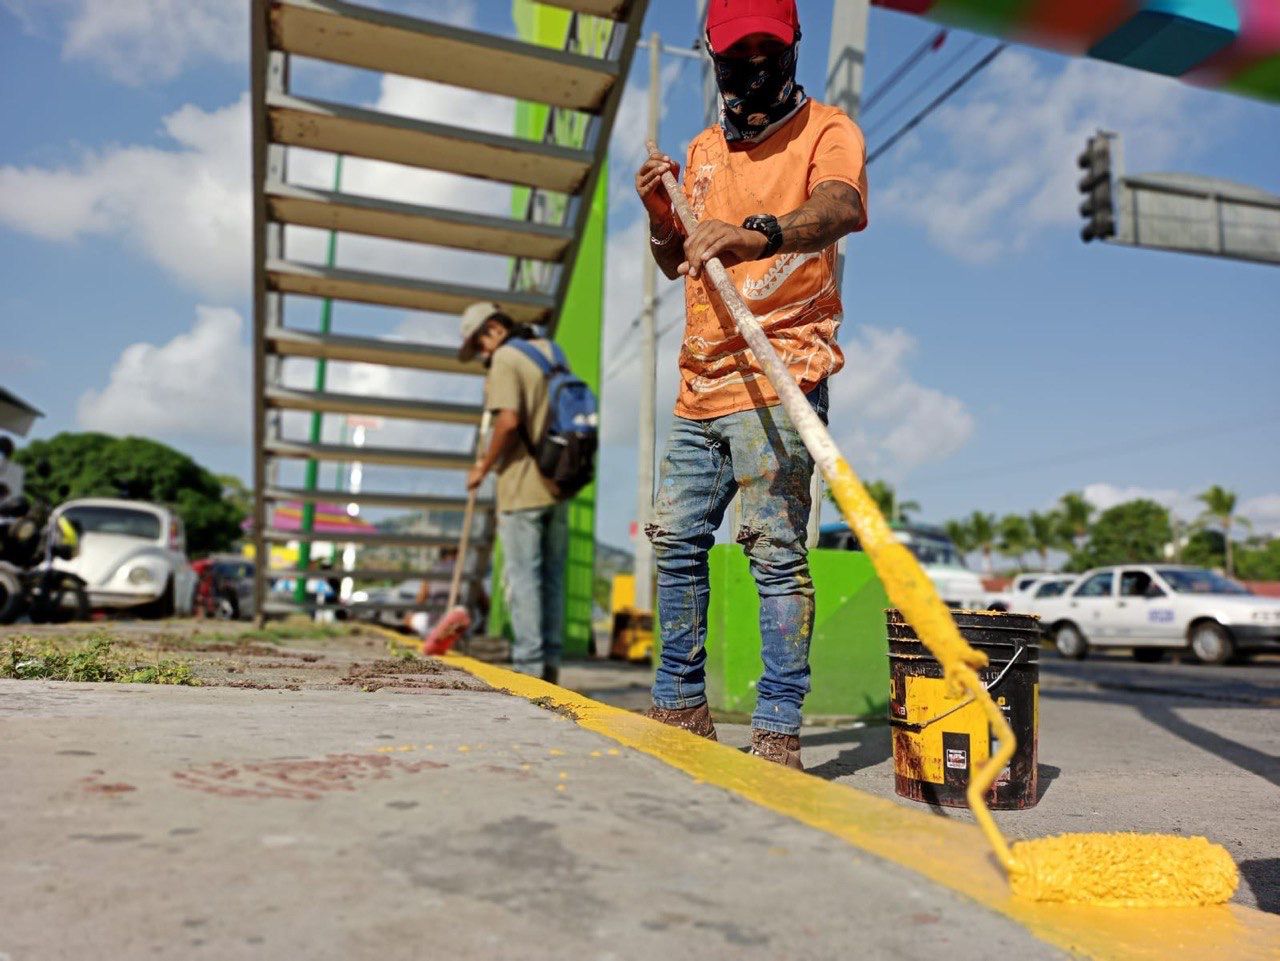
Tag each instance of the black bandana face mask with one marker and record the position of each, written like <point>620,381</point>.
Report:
<point>758,91</point>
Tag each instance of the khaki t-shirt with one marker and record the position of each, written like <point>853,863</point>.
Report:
<point>515,383</point>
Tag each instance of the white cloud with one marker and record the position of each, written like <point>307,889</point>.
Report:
<point>196,386</point>
<point>989,174</point>
<point>888,423</point>
<point>187,208</point>
<point>141,41</point>
<point>1263,511</point>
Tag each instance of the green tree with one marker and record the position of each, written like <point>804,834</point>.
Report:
<point>1014,537</point>
<point>1075,513</point>
<point>1205,548</point>
<point>1219,509</point>
<point>1261,563</point>
<point>1133,532</point>
<point>960,535</point>
<point>982,535</point>
<point>236,493</point>
<point>1045,532</point>
<point>886,498</point>
<point>97,465</point>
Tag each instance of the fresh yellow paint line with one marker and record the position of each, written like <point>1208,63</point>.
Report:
<point>948,852</point>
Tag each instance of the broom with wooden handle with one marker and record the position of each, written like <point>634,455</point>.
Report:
<point>457,619</point>
<point>1108,869</point>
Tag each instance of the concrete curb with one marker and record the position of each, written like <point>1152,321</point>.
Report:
<point>950,853</point>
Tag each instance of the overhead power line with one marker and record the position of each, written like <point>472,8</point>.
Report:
<point>933,43</point>
<point>937,102</point>
<point>959,57</point>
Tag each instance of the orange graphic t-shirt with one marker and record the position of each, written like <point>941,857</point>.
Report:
<point>794,296</point>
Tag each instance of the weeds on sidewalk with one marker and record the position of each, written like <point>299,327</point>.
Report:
<point>95,659</point>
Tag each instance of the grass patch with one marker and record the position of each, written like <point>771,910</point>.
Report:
<point>293,629</point>
<point>95,659</point>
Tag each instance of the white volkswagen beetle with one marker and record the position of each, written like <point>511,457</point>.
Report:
<point>1153,608</point>
<point>132,556</point>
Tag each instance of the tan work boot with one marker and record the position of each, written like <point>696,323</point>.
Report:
<point>695,720</point>
<point>781,749</point>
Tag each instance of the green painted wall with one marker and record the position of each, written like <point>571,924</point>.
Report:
<point>581,320</point>
<point>849,652</point>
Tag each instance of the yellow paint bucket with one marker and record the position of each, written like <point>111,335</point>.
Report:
<point>939,738</point>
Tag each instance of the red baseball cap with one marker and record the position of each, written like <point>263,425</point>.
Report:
<point>728,21</point>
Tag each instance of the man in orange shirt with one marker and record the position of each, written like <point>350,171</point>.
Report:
<point>774,185</point>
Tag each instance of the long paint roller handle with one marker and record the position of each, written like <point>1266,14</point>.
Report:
<point>906,584</point>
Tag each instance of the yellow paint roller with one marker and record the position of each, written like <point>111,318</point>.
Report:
<point>1121,870</point>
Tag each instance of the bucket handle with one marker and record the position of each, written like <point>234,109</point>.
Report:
<point>919,726</point>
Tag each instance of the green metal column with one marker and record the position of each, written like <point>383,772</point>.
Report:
<point>322,368</point>
<point>581,320</point>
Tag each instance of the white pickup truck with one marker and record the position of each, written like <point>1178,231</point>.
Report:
<point>1153,608</point>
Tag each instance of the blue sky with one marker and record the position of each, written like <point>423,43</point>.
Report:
<point>995,361</point>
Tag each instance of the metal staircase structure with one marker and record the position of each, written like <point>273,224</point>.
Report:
<point>582,90</point>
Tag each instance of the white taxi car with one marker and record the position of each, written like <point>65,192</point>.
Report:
<point>132,555</point>
<point>1153,608</point>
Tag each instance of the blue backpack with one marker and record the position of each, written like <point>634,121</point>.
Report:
<point>566,453</point>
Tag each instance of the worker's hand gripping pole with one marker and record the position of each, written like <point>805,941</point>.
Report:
<point>905,582</point>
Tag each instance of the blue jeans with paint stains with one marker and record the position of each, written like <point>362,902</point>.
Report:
<point>759,454</point>
<point>535,544</point>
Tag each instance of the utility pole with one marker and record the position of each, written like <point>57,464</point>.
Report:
<point>846,62</point>
<point>648,371</point>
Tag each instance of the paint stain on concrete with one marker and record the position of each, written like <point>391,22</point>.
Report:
<point>304,780</point>
<point>105,838</point>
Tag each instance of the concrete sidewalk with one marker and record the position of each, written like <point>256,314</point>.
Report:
<point>156,822</point>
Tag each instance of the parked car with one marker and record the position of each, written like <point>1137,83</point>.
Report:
<point>1160,607</point>
<point>958,586</point>
<point>388,605</point>
<point>132,556</point>
<point>224,587</point>
<point>1021,595</point>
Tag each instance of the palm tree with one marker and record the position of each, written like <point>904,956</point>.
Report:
<point>982,535</point>
<point>1045,533</point>
<point>1075,513</point>
<point>1219,509</point>
<point>960,535</point>
<point>1015,537</point>
<point>886,498</point>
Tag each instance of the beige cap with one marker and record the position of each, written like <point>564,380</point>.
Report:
<point>473,319</point>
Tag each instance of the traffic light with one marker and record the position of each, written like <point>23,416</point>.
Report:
<point>1098,207</point>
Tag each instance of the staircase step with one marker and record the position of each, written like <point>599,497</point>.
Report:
<point>392,43</point>
<point>388,290</point>
<point>354,131</point>
<point>422,502</point>
<point>371,217</point>
<point>609,9</point>
<point>400,407</point>
<point>389,456</point>
<point>368,350</point>
<point>282,607</point>
<point>368,574</point>
<point>378,538</point>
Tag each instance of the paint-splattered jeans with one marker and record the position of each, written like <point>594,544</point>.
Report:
<point>534,546</point>
<point>759,454</point>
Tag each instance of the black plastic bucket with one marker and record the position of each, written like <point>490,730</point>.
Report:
<point>939,740</point>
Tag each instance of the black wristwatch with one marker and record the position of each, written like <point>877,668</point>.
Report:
<point>767,224</point>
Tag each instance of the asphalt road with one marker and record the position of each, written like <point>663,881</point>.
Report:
<point>1172,747</point>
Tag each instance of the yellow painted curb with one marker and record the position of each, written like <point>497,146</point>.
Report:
<point>948,852</point>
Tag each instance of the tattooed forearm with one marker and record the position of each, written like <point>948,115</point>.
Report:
<point>833,210</point>
<point>669,252</point>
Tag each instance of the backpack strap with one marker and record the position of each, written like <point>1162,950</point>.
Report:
<point>548,367</point>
